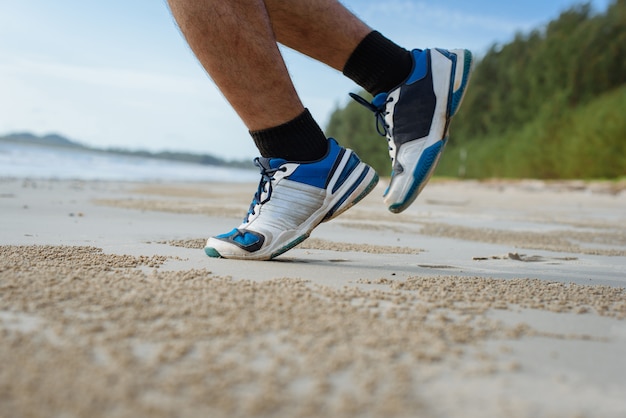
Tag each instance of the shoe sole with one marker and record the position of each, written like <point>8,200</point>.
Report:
<point>429,158</point>
<point>350,194</point>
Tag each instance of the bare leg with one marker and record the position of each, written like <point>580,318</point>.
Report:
<point>235,43</point>
<point>322,29</point>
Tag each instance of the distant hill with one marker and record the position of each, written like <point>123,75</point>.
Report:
<point>55,140</point>
<point>51,140</point>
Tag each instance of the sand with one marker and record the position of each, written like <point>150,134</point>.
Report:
<point>484,299</point>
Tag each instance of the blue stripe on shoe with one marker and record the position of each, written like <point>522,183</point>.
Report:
<point>447,54</point>
<point>347,194</point>
<point>353,162</point>
<point>458,95</point>
<point>338,159</point>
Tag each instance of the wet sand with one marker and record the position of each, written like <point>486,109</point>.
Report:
<point>482,300</point>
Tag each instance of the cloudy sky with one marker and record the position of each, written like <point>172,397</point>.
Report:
<point>117,73</point>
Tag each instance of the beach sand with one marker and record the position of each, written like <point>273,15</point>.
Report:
<point>484,299</point>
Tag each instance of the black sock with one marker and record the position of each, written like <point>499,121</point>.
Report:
<point>300,139</point>
<point>377,64</point>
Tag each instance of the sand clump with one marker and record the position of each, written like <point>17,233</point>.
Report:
<point>480,294</point>
<point>85,333</point>
<point>558,241</point>
<point>193,243</point>
<point>320,244</point>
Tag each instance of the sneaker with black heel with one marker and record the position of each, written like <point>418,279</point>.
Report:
<point>291,200</point>
<point>415,118</point>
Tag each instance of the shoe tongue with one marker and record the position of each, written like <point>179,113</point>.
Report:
<point>271,163</point>
<point>379,99</point>
<point>264,162</point>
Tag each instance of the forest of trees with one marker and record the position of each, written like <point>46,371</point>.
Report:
<point>549,104</point>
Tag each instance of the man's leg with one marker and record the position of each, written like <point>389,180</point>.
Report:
<point>234,42</point>
<point>328,32</point>
<point>417,92</point>
<point>322,29</point>
<point>305,178</point>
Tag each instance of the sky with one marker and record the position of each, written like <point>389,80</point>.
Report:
<point>118,73</point>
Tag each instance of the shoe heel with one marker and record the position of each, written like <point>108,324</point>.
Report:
<point>462,72</point>
<point>423,171</point>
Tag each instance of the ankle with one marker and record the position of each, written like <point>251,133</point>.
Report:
<point>377,64</point>
<point>300,139</point>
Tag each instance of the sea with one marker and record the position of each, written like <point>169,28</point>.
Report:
<point>33,161</point>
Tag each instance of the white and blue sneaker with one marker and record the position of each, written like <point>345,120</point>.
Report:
<point>415,118</point>
<point>291,200</point>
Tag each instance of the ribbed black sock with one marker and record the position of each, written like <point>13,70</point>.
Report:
<point>377,64</point>
<point>300,139</point>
